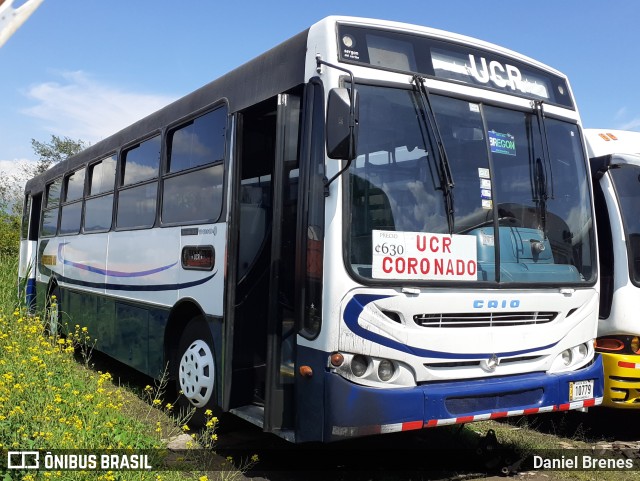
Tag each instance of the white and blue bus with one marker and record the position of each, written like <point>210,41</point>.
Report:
<point>615,166</point>
<point>372,227</point>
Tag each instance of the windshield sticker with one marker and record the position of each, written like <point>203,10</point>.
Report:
<point>485,189</point>
<point>502,143</point>
<point>424,256</point>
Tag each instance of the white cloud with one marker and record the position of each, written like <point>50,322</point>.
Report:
<point>633,124</point>
<point>13,167</point>
<point>621,113</point>
<point>80,107</point>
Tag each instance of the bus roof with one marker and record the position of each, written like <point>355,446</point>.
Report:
<point>240,88</point>
<point>609,141</point>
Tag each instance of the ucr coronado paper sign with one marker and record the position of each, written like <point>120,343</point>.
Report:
<point>424,256</point>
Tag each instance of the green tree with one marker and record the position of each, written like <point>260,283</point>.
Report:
<point>50,153</point>
<point>12,186</point>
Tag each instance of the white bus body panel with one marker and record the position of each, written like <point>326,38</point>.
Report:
<point>625,306</point>
<point>140,266</point>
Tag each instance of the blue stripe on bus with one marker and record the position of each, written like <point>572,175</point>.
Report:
<point>144,287</point>
<point>108,272</point>
<point>357,304</point>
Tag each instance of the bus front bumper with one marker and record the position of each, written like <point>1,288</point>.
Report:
<point>355,410</point>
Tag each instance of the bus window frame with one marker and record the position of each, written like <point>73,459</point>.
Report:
<point>165,175</point>
<point>65,202</point>
<point>89,196</point>
<point>121,187</point>
<point>48,208</point>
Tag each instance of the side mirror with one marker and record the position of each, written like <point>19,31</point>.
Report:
<point>342,124</point>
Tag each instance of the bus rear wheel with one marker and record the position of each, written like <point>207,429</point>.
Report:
<point>195,367</point>
<point>52,313</point>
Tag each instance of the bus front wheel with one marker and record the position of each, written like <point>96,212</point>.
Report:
<point>196,365</point>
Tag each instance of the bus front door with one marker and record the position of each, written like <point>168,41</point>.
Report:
<point>260,339</point>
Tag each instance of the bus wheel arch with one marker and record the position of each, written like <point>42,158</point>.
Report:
<point>181,314</point>
<point>192,359</point>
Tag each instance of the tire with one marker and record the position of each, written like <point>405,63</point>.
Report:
<point>195,368</point>
<point>52,325</point>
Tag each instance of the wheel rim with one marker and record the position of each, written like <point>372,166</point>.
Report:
<point>53,315</point>
<point>197,373</point>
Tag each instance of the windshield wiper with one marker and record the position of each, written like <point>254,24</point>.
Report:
<point>434,136</point>
<point>541,197</point>
<point>543,169</point>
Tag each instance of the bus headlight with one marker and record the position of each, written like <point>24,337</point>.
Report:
<point>371,371</point>
<point>386,370</point>
<point>359,365</point>
<point>573,357</point>
<point>583,351</point>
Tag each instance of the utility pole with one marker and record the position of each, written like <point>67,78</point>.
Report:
<point>11,18</point>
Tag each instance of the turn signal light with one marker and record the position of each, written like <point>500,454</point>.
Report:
<point>336,359</point>
<point>609,344</point>
<point>306,371</point>
<point>635,344</point>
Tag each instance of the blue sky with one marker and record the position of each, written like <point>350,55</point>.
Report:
<point>86,68</point>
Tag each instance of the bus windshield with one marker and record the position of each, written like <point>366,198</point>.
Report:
<point>520,196</point>
<point>626,179</point>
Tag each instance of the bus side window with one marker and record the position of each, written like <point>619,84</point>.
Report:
<point>193,196</point>
<point>98,209</point>
<point>192,186</point>
<point>50,211</point>
<point>71,213</point>
<point>137,204</point>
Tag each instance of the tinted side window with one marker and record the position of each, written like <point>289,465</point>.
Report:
<point>137,206</point>
<point>102,176</point>
<point>192,186</point>
<point>53,193</point>
<point>70,218</point>
<point>49,222</point>
<point>74,185</point>
<point>196,196</point>
<point>197,143</point>
<point>98,207</point>
<point>50,213</point>
<point>141,162</point>
<point>97,213</point>
<point>71,212</point>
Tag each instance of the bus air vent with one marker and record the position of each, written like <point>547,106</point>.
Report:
<point>483,319</point>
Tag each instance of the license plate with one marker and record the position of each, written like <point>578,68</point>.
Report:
<point>580,390</point>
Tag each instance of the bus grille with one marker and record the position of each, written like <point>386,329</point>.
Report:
<point>483,319</point>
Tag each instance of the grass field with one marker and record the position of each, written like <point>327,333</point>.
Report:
<point>51,398</point>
